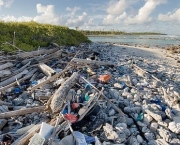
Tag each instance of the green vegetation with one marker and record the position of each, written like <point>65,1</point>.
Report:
<point>30,35</point>
<point>88,33</point>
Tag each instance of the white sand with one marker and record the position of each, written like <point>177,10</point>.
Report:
<point>153,53</point>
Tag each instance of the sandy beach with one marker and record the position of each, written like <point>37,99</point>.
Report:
<point>150,53</point>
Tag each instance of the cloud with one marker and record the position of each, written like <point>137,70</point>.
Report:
<point>144,12</point>
<point>46,14</point>
<point>111,19</point>
<point>117,11</point>
<point>73,10</point>
<point>77,21</point>
<point>19,19</point>
<point>1,3</point>
<point>90,22</point>
<point>170,16</point>
<point>117,7</point>
<point>8,3</point>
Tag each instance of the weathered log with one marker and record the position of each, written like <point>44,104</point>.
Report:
<point>94,62</point>
<point>44,97</point>
<point>21,112</point>
<point>20,80</point>
<point>2,123</point>
<point>46,69</point>
<point>23,67</point>
<point>48,80</point>
<point>12,79</point>
<point>50,56</point>
<point>24,138</point>
<point>4,73</point>
<point>6,65</point>
<point>35,53</point>
<point>59,96</point>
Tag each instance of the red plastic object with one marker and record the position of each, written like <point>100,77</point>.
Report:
<point>72,118</point>
<point>75,106</point>
<point>104,78</point>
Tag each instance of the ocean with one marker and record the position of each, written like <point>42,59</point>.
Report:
<point>140,40</point>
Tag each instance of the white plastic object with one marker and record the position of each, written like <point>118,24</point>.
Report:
<point>37,139</point>
<point>46,130</point>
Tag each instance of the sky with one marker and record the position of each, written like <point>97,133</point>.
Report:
<point>161,16</point>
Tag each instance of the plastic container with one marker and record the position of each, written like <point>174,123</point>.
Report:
<point>46,130</point>
<point>37,139</point>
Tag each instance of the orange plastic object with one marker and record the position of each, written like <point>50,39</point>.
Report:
<point>75,106</point>
<point>104,78</point>
<point>72,118</point>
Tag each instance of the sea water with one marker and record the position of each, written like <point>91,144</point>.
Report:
<point>140,40</point>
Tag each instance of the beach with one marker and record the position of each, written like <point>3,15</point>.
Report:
<point>151,53</point>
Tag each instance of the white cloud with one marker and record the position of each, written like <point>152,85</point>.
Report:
<point>117,11</point>
<point>77,21</point>
<point>46,14</point>
<point>117,7</point>
<point>90,22</point>
<point>170,16</point>
<point>73,10</point>
<point>1,3</point>
<point>8,3</point>
<point>19,19</point>
<point>111,19</point>
<point>144,12</point>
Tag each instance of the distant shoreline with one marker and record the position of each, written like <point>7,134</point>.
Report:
<point>114,33</point>
<point>111,35</point>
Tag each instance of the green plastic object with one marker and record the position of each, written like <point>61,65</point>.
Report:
<point>87,97</point>
<point>140,117</point>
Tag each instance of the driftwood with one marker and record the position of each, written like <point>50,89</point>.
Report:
<point>20,80</point>
<point>2,123</point>
<point>25,138</point>
<point>147,73</point>
<point>23,67</point>
<point>4,73</point>
<point>6,65</point>
<point>12,79</point>
<point>46,69</point>
<point>50,56</point>
<point>59,96</point>
<point>94,62</point>
<point>35,53</point>
<point>48,80</point>
<point>21,112</point>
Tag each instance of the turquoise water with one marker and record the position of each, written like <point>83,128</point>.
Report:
<point>150,40</point>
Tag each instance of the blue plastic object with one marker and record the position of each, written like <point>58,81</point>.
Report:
<point>17,90</point>
<point>65,111</point>
<point>158,102</point>
<point>33,83</point>
<point>89,139</point>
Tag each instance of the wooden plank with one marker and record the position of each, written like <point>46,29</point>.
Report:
<point>21,112</point>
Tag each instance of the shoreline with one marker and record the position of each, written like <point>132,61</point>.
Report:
<point>146,53</point>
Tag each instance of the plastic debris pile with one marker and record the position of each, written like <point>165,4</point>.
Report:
<point>91,94</point>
